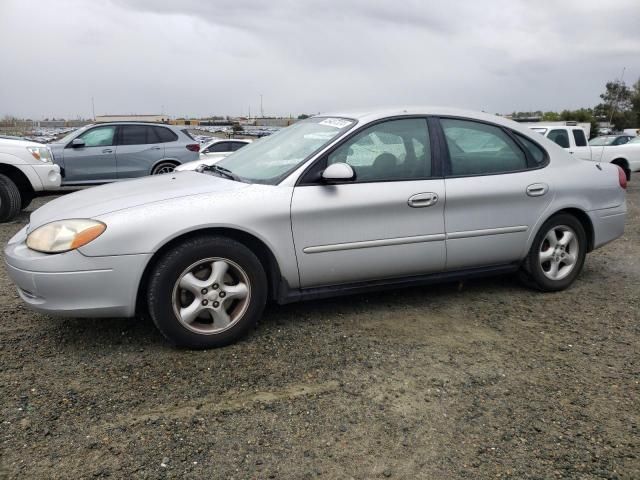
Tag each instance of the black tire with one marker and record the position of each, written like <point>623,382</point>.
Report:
<point>25,199</point>
<point>163,167</point>
<point>10,201</point>
<point>170,267</point>
<point>533,272</point>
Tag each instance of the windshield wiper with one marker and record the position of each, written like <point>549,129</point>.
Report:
<point>223,172</point>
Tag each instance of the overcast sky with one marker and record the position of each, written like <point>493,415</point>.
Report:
<point>203,57</point>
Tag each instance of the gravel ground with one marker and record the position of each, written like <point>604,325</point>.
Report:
<point>478,380</point>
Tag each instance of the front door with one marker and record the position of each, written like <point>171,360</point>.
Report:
<point>496,192</point>
<point>388,222</point>
<point>93,162</point>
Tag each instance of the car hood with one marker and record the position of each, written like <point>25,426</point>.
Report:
<point>203,160</point>
<point>96,201</point>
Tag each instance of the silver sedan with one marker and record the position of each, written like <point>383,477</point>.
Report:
<point>335,204</point>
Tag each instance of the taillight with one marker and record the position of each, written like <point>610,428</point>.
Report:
<point>622,177</point>
<point>193,147</point>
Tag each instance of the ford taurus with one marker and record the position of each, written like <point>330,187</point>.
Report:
<point>334,204</point>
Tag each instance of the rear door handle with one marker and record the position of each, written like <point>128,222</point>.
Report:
<point>421,200</point>
<point>107,150</point>
<point>156,148</point>
<point>537,189</point>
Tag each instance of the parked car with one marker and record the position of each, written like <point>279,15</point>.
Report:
<point>610,140</point>
<point>213,152</point>
<point>25,169</point>
<point>303,214</point>
<point>108,152</point>
<point>574,140</point>
<point>221,146</point>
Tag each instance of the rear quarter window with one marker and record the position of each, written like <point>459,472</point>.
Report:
<point>536,152</point>
<point>165,135</point>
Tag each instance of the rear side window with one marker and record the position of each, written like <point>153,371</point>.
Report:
<point>164,135</point>
<point>133,135</point>
<point>480,149</point>
<point>237,145</point>
<point>560,137</point>
<point>537,153</point>
<point>186,132</point>
<point>219,147</point>
<point>579,137</point>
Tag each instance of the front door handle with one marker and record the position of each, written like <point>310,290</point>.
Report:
<point>107,150</point>
<point>420,200</point>
<point>156,148</point>
<point>537,189</point>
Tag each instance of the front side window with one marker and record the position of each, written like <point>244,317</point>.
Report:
<point>99,136</point>
<point>272,158</point>
<point>480,149</point>
<point>560,137</point>
<point>579,137</point>
<point>396,149</point>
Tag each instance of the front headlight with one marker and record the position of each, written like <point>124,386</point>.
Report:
<point>64,235</point>
<point>41,153</point>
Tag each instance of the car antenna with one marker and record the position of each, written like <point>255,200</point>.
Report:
<point>614,105</point>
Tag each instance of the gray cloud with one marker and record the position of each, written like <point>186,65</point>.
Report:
<point>205,57</point>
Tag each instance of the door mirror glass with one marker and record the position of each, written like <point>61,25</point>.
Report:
<point>338,172</point>
<point>77,143</point>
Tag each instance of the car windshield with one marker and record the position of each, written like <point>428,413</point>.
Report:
<point>599,141</point>
<point>67,138</point>
<point>271,158</point>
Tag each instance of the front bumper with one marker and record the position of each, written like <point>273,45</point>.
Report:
<point>72,284</point>
<point>48,175</point>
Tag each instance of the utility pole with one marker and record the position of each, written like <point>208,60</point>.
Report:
<point>93,109</point>
<point>261,110</point>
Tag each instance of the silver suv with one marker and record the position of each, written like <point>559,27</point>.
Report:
<point>108,152</point>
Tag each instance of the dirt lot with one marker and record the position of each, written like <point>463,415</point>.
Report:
<point>480,380</point>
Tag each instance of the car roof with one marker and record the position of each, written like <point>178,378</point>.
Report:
<point>370,115</point>
<point>152,124</point>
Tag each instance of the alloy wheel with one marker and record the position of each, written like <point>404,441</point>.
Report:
<point>211,295</point>
<point>559,252</point>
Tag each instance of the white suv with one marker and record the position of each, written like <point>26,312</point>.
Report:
<point>25,168</point>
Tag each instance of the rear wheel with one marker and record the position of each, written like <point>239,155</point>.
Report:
<point>207,292</point>
<point>10,200</point>
<point>163,167</point>
<point>557,254</point>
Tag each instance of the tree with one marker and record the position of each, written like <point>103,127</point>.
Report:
<point>618,105</point>
<point>550,116</point>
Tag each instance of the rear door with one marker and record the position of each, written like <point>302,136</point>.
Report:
<point>388,222</point>
<point>496,192</point>
<point>95,161</point>
<point>137,151</point>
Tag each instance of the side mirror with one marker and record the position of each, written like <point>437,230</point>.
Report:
<point>338,172</point>
<point>77,143</point>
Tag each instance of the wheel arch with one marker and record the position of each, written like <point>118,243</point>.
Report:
<point>256,245</point>
<point>621,161</point>
<point>174,161</point>
<point>17,176</point>
<point>581,216</point>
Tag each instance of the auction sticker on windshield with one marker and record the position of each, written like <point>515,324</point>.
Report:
<point>335,122</point>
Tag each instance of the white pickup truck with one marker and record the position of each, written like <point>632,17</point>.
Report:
<point>25,169</point>
<point>573,138</point>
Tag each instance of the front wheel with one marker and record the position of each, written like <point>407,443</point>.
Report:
<point>557,253</point>
<point>10,200</point>
<point>207,292</point>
